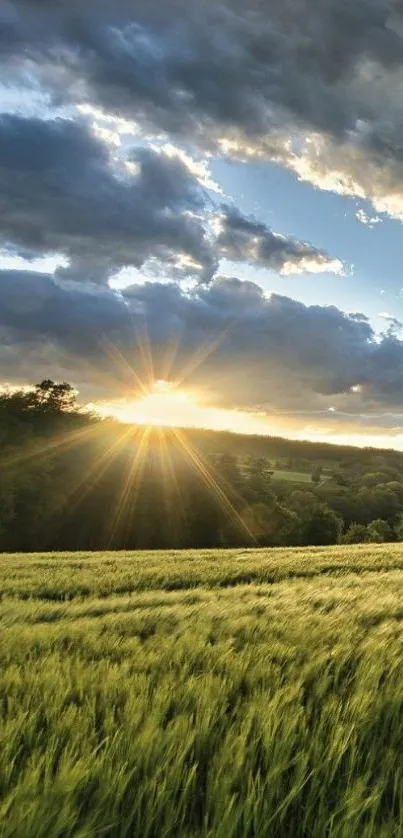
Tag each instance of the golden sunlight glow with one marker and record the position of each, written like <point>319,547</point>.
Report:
<point>158,401</point>
<point>166,405</point>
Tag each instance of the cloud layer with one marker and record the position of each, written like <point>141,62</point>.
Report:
<point>231,341</point>
<point>62,191</point>
<point>317,87</point>
<point>243,239</point>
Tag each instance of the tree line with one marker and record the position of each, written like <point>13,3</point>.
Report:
<point>71,481</point>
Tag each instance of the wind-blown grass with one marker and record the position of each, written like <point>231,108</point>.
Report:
<point>202,695</point>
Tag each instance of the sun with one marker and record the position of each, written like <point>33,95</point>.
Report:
<point>165,405</point>
<point>162,402</point>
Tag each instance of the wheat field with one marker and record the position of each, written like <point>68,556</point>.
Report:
<point>223,694</point>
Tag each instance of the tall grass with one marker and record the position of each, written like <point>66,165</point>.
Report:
<point>206,695</point>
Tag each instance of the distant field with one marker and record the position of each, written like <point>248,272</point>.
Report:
<point>239,694</point>
<point>296,476</point>
<point>292,476</point>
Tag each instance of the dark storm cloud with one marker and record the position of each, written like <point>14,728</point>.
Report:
<point>227,60</point>
<point>257,351</point>
<point>35,308</point>
<point>259,75</point>
<point>249,240</point>
<point>59,192</point>
<point>269,349</point>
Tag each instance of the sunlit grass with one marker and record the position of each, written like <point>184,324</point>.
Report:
<point>232,694</point>
<point>292,476</point>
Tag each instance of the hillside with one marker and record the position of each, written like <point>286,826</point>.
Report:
<point>217,694</point>
<point>69,481</point>
<point>274,447</point>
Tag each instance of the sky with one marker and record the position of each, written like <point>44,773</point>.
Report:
<point>201,208</point>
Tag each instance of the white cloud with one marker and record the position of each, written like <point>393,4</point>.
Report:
<point>367,220</point>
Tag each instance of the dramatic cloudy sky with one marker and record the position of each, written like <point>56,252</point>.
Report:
<point>210,194</point>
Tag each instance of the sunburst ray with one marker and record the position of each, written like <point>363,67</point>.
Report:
<point>210,480</point>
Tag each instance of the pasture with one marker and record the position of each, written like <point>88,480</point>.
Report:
<point>222,694</point>
<point>297,476</point>
<point>292,476</point>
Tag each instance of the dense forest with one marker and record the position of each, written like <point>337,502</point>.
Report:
<point>71,481</point>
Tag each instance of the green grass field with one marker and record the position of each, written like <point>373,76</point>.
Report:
<point>292,476</point>
<point>297,476</point>
<point>239,694</point>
